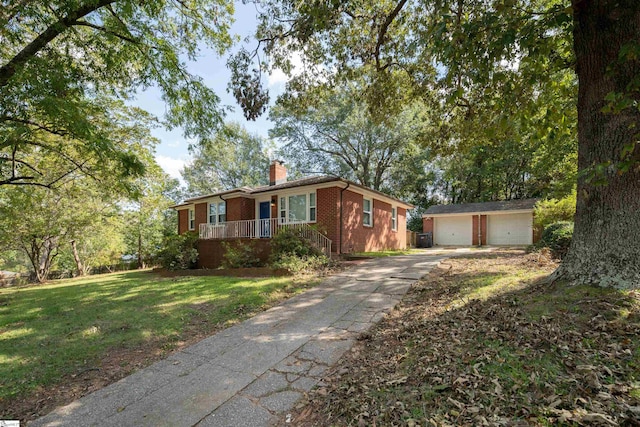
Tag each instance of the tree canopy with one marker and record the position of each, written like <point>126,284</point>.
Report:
<point>64,62</point>
<point>85,221</point>
<point>338,136</point>
<point>232,158</point>
<point>493,63</point>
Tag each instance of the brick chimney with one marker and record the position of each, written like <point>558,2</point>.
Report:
<point>277,172</point>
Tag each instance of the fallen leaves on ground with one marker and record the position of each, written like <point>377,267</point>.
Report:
<point>522,353</point>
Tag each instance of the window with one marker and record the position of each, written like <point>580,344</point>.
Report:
<point>394,219</point>
<point>192,219</point>
<point>298,208</point>
<point>312,207</point>
<point>213,213</point>
<point>366,212</point>
<point>222,212</point>
<point>217,213</point>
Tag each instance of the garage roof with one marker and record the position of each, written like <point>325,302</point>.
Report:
<point>504,205</point>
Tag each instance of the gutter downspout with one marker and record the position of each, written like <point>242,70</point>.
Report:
<point>341,209</point>
<point>225,208</point>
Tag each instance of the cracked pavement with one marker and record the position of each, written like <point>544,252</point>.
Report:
<point>252,372</point>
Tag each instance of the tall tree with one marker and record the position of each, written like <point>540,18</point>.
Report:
<point>42,223</point>
<point>474,45</point>
<point>144,218</point>
<point>233,158</point>
<point>606,240</point>
<point>337,135</point>
<point>61,59</point>
<point>45,222</point>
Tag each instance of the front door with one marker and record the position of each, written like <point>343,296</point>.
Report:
<point>264,222</point>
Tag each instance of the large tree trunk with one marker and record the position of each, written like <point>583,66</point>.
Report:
<point>606,241</point>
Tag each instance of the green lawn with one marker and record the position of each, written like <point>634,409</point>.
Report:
<point>389,252</point>
<point>65,327</point>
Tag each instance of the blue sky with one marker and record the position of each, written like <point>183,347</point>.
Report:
<point>172,153</point>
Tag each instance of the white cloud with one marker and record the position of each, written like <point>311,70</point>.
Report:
<point>170,165</point>
<point>278,77</point>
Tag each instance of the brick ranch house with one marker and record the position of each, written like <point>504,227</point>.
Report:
<point>507,222</point>
<point>347,217</point>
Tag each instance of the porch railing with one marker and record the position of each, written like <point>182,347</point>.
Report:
<point>264,228</point>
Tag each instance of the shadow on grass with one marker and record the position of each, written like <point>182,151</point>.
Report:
<point>66,327</point>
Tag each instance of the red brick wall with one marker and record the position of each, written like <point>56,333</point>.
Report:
<point>234,209</point>
<point>201,215</point>
<point>358,238</point>
<point>248,210</point>
<point>240,208</point>
<point>183,221</point>
<point>275,206</point>
<point>328,214</point>
<point>427,225</point>
<point>352,228</point>
<point>483,230</point>
<point>211,252</point>
<point>537,233</point>
<point>401,234</point>
<point>277,173</point>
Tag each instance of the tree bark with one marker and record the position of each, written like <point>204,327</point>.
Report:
<point>606,242</point>
<point>41,255</point>
<point>76,258</point>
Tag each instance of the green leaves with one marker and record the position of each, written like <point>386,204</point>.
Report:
<point>233,158</point>
<point>63,65</point>
<point>335,132</point>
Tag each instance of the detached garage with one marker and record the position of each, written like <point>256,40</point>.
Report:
<point>494,223</point>
<point>453,230</point>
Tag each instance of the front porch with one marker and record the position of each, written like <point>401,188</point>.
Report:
<point>264,229</point>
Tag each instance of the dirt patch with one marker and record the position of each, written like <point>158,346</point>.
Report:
<point>528,354</point>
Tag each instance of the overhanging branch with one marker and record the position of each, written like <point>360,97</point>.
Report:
<point>54,30</point>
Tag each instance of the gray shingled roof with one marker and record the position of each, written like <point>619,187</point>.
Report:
<point>505,205</point>
<point>288,184</point>
<point>295,183</point>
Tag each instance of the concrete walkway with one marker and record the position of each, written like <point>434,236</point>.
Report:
<point>248,374</point>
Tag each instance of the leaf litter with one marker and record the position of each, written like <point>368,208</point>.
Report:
<point>462,351</point>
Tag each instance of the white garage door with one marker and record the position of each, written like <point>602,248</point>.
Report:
<point>510,229</point>
<point>453,230</point>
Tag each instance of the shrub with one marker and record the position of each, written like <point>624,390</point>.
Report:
<point>296,264</point>
<point>179,252</point>
<point>291,251</point>
<point>557,237</point>
<point>547,212</point>
<point>239,255</point>
<point>289,241</point>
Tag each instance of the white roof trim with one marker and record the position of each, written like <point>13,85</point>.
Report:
<point>504,212</point>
